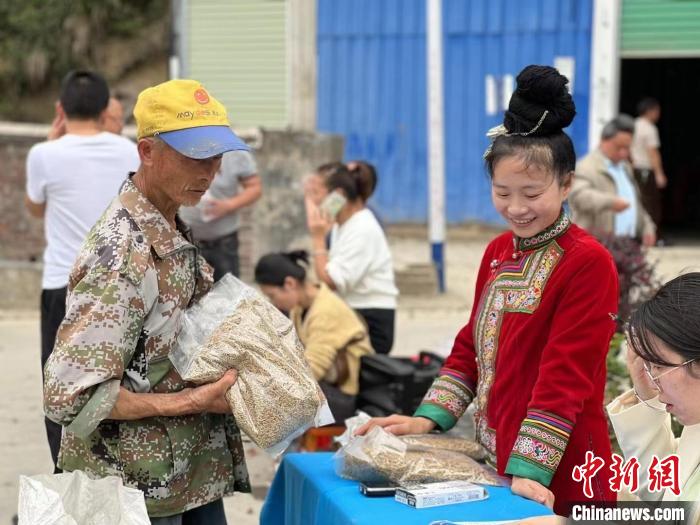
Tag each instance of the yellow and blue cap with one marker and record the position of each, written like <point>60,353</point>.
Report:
<point>187,118</point>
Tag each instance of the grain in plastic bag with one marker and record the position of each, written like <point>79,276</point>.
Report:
<point>446,442</point>
<point>381,456</point>
<point>276,397</point>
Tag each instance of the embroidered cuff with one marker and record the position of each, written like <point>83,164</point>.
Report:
<point>539,447</point>
<point>447,399</point>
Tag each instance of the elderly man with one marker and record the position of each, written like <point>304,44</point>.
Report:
<point>604,198</point>
<point>109,381</point>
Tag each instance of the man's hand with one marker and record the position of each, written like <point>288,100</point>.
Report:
<point>58,126</point>
<point>649,239</point>
<point>217,208</point>
<point>210,398</point>
<point>531,489</point>
<point>620,204</point>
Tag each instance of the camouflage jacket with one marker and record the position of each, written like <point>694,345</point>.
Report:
<point>134,277</point>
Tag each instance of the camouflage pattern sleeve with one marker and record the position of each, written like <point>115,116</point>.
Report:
<point>98,336</point>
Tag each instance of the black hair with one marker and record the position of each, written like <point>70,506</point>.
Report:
<point>366,176</point>
<point>621,124</point>
<point>84,95</point>
<point>673,316</point>
<point>647,104</point>
<point>272,269</point>
<point>532,134</point>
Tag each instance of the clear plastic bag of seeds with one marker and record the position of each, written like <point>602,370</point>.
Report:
<point>380,456</point>
<point>276,398</point>
<point>446,442</point>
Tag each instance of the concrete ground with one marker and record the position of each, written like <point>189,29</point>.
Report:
<point>425,322</point>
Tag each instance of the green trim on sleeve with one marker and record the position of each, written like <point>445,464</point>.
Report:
<point>442,417</point>
<point>518,466</point>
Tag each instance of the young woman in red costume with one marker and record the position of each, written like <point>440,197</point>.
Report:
<point>532,357</point>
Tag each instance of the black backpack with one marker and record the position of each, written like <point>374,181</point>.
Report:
<point>395,385</point>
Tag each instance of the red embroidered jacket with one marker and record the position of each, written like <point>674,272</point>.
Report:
<point>532,359</point>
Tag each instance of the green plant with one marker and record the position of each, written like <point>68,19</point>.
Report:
<point>41,40</point>
<point>637,278</point>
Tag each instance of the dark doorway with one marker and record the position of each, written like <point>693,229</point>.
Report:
<point>675,83</point>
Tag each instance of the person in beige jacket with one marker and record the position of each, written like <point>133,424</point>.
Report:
<point>663,358</point>
<point>333,335</point>
<point>604,198</point>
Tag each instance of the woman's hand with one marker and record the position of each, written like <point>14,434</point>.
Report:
<point>398,425</point>
<point>531,489</point>
<point>318,222</point>
<point>210,397</point>
<point>643,386</point>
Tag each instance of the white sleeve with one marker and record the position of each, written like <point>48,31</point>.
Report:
<point>134,159</point>
<point>642,432</point>
<point>36,177</point>
<point>350,259</point>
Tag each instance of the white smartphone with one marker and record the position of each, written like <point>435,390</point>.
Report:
<point>333,203</point>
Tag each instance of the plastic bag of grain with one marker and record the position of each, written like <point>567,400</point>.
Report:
<point>381,456</point>
<point>276,397</point>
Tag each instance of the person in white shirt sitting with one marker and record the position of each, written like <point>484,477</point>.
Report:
<point>359,264</point>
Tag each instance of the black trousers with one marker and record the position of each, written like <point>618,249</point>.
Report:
<point>53,309</point>
<point>209,514</point>
<point>222,254</point>
<point>380,323</point>
<point>651,194</point>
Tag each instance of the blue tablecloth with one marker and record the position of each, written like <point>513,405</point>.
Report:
<point>306,491</point>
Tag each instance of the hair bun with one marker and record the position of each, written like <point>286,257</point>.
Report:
<point>540,89</point>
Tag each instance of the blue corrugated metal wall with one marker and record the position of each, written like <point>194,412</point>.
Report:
<point>372,87</point>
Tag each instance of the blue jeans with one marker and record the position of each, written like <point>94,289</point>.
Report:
<point>209,514</point>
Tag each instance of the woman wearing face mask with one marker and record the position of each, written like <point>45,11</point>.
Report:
<point>532,356</point>
<point>358,264</point>
<point>333,336</point>
<point>663,357</point>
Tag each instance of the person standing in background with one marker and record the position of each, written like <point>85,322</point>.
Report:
<point>70,182</point>
<point>358,264</point>
<point>604,198</point>
<point>216,219</point>
<point>646,158</point>
<point>113,117</point>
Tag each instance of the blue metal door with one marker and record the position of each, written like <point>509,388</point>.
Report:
<point>372,88</point>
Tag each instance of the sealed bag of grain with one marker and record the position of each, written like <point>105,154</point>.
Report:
<point>381,456</point>
<point>276,397</point>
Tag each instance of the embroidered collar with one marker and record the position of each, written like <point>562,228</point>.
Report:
<point>164,239</point>
<point>560,226</point>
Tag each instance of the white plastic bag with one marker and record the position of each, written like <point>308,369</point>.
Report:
<point>72,498</point>
<point>276,397</point>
